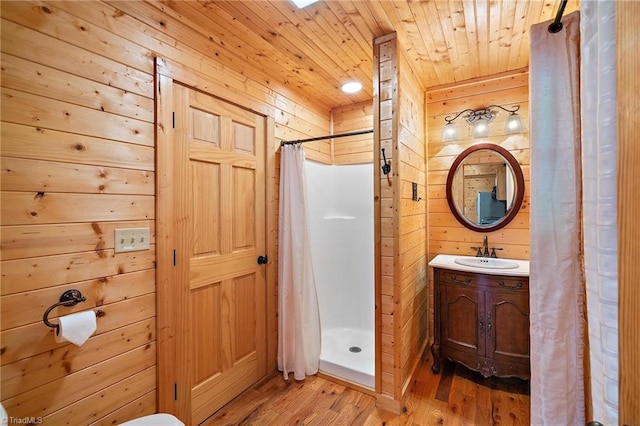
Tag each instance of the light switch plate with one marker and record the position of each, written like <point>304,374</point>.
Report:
<point>132,239</point>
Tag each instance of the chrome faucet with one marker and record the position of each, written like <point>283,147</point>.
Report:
<point>484,250</point>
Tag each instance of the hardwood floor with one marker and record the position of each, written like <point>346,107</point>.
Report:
<point>457,396</point>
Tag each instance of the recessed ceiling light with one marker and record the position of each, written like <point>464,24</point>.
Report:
<point>352,87</point>
<point>303,3</point>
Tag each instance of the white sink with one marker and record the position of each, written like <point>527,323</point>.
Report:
<point>482,265</point>
<point>486,262</point>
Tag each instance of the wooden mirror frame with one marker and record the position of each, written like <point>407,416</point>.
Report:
<point>519,193</point>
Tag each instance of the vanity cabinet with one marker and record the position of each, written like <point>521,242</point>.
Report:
<point>482,321</point>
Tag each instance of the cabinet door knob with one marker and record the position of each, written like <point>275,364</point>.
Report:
<point>262,260</point>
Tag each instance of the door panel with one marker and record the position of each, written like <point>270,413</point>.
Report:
<point>220,232</point>
<point>205,186</point>
<point>243,208</point>
<point>508,311</point>
<point>461,308</point>
<point>205,127</point>
<point>206,359</point>
<point>244,318</point>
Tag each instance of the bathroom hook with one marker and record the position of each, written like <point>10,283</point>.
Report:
<point>386,167</point>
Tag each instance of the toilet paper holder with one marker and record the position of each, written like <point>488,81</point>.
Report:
<point>68,298</point>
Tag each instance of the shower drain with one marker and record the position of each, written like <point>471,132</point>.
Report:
<point>355,349</point>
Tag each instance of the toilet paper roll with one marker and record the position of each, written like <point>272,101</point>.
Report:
<point>76,328</point>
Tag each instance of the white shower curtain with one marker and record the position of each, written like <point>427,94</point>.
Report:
<point>298,312</point>
<point>600,203</point>
<point>556,289</point>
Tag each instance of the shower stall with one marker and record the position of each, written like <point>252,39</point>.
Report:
<point>340,200</point>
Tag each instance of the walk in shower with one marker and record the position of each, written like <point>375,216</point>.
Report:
<point>340,200</point>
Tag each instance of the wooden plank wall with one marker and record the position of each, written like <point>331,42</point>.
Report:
<point>385,77</point>
<point>77,162</point>
<point>628,87</point>
<point>351,118</point>
<point>401,224</point>
<point>446,234</point>
<point>411,284</point>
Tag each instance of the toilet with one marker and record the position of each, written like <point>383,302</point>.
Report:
<point>160,419</point>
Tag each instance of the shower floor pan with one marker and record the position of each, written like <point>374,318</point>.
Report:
<point>348,353</point>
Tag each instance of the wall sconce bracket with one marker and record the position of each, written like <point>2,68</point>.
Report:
<point>479,119</point>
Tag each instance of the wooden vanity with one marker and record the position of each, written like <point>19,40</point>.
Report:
<point>482,320</point>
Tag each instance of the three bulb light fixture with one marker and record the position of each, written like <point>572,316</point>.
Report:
<point>479,121</point>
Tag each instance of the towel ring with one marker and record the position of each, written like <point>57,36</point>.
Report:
<point>68,298</point>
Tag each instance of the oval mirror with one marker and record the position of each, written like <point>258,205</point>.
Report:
<point>485,187</point>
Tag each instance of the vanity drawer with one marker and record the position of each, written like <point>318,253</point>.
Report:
<point>467,279</point>
<point>445,276</point>
<point>510,283</point>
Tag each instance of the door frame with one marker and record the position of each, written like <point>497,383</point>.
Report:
<point>169,382</point>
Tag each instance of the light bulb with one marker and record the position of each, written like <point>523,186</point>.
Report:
<point>480,128</point>
<point>352,87</point>
<point>303,3</point>
<point>449,133</point>
<point>513,124</point>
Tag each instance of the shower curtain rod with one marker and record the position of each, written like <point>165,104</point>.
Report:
<point>556,25</point>
<point>319,138</point>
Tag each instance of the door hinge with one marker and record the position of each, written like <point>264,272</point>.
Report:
<point>175,391</point>
<point>173,115</point>
<point>174,257</point>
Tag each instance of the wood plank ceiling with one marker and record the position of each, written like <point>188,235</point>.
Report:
<point>316,49</point>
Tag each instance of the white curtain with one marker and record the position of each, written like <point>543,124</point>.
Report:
<point>298,313</point>
<point>599,178</point>
<point>556,289</point>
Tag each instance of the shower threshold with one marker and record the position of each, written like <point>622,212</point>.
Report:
<point>348,353</point>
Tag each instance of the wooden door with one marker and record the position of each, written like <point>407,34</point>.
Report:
<point>219,232</point>
<point>508,314</point>
<point>463,329</point>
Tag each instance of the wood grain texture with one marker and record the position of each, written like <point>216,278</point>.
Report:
<point>312,51</point>
<point>351,118</point>
<point>78,89</point>
<point>401,253</point>
<point>45,400</point>
<point>220,194</point>
<point>30,373</point>
<point>40,144</point>
<point>458,398</point>
<point>23,241</point>
<point>386,64</point>
<point>31,274</point>
<point>446,234</point>
<point>27,43</point>
<point>628,85</point>
<point>78,161</point>
<point>319,47</point>
<point>411,282</point>
<point>115,316</point>
<point>382,244</point>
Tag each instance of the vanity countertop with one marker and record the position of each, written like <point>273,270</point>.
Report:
<point>447,261</point>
